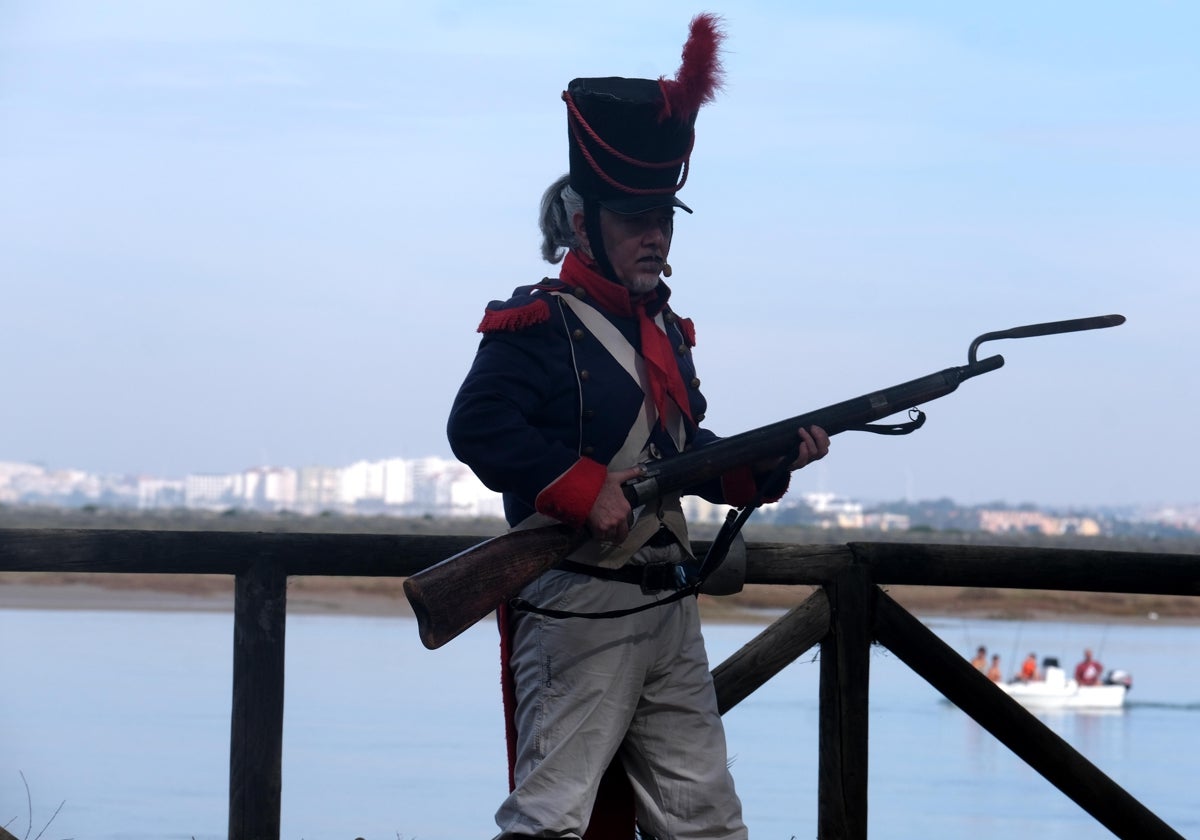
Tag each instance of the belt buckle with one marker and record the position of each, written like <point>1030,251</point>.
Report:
<point>659,577</point>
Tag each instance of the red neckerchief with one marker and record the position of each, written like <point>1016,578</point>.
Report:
<point>661,367</point>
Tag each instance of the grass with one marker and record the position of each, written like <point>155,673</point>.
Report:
<point>5,834</point>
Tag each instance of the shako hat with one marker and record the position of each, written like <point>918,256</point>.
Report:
<point>631,139</point>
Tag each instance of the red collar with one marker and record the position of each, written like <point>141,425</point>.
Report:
<point>578,271</point>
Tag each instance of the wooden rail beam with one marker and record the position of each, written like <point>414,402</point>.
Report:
<point>133,551</point>
<point>768,653</point>
<point>1005,567</point>
<point>787,564</point>
<point>398,555</point>
<point>1016,567</point>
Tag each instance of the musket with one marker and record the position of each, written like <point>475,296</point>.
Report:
<point>452,595</point>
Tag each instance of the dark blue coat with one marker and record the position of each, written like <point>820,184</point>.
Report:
<point>545,406</point>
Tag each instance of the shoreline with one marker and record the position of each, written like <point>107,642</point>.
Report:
<point>190,593</point>
<point>352,596</point>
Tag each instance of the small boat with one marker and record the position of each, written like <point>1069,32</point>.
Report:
<point>1055,691</point>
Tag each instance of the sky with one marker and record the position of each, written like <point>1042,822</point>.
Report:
<point>244,234</point>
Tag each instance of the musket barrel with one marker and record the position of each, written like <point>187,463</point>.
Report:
<point>695,466</point>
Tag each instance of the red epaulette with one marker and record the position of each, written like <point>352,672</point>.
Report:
<point>689,331</point>
<point>515,318</point>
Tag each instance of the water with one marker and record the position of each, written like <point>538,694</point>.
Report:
<point>124,716</point>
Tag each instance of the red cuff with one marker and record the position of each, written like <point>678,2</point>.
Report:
<point>570,497</point>
<point>739,487</point>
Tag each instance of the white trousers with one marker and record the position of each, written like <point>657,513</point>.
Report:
<point>636,687</point>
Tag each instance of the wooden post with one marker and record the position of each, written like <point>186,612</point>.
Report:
<point>944,669</point>
<point>256,743</point>
<point>844,695</point>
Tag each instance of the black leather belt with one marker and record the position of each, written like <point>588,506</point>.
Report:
<point>651,577</point>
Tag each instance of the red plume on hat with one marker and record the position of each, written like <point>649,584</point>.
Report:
<point>700,74</point>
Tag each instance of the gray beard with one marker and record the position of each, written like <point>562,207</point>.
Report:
<point>641,284</point>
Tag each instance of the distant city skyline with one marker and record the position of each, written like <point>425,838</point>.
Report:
<point>446,489</point>
<point>378,479</point>
<point>240,234</point>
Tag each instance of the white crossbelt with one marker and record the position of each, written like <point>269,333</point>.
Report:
<point>611,339</point>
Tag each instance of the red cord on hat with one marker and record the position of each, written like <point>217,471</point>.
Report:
<point>577,122</point>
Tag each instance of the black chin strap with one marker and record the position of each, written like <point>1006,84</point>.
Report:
<point>591,224</point>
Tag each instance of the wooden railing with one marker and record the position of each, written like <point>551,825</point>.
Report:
<point>845,616</point>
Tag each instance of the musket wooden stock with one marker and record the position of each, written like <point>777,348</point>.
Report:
<point>449,597</point>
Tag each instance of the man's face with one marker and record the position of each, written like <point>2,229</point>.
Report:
<point>637,244</point>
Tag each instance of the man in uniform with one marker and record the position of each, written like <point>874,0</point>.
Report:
<point>576,381</point>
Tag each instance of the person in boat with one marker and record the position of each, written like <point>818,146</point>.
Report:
<point>577,380</point>
<point>980,661</point>
<point>993,672</point>
<point>1029,669</point>
<point>1088,671</point>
